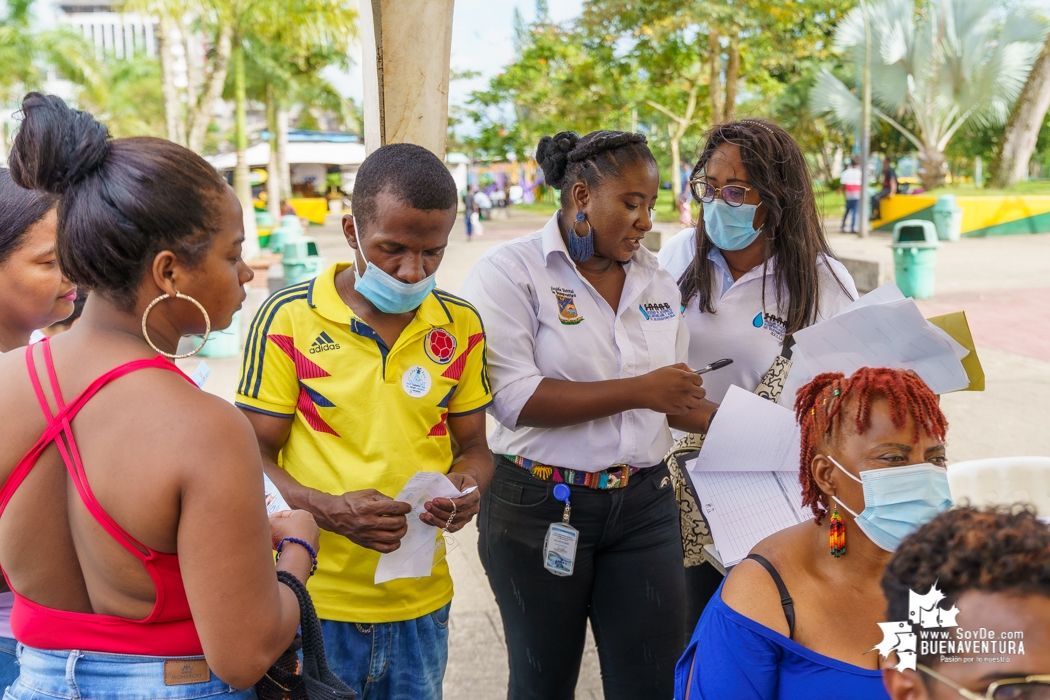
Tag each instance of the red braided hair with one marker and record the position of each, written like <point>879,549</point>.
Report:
<point>819,411</point>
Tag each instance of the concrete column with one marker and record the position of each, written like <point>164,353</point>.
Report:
<point>407,45</point>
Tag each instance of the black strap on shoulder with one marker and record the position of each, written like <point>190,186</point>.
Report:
<point>785,599</point>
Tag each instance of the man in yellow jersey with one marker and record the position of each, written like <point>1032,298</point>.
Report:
<point>354,382</point>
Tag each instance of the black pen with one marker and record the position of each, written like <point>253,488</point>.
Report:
<point>717,364</point>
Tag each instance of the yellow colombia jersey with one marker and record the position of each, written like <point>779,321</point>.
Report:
<point>364,417</point>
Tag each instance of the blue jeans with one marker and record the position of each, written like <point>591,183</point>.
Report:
<point>47,675</point>
<point>390,660</point>
<point>8,662</point>
<point>852,207</point>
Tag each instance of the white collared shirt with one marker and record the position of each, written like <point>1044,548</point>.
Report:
<point>543,319</point>
<point>742,328</point>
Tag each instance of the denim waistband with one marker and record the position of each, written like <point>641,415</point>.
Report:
<point>99,676</point>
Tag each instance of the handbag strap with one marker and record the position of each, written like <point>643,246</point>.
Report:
<point>315,664</point>
<point>789,343</point>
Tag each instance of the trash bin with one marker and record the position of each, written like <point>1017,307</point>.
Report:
<point>224,343</point>
<point>915,257</point>
<point>264,225</point>
<point>947,217</point>
<point>289,229</point>
<point>301,260</point>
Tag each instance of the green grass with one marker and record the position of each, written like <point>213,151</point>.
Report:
<point>1021,188</point>
<point>830,203</point>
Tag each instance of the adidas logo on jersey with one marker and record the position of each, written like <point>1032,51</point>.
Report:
<point>323,343</point>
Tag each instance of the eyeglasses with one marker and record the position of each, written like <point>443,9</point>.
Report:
<point>1027,688</point>
<point>733,195</point>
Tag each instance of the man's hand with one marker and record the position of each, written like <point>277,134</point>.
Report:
<point>366,518</point>
<point>440,509</point>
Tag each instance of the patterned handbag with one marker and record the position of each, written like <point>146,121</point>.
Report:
<point>695,532</point>
<point>288,679</point>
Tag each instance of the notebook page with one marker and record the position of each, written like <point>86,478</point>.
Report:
<point>743,508</point>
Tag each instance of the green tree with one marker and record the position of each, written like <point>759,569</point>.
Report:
<point>28,53</point>
<point>127,98</point>
<point>950,63</point>
<point>280,77</point>
<point>561,79</point>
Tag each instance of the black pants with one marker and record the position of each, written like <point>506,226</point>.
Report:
<point>701,584</point>
<point>876,202</point>
<point>628,579</point>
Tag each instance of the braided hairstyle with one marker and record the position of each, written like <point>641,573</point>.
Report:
<point>566,159</point>
<point>793,232</point>
<point>822,406</point>
<point>995,550</point>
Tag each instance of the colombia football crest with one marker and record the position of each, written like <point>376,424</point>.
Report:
<point>440,346</point>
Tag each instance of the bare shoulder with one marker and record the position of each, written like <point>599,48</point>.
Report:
<point>750,590</point>
<point>199,429</point>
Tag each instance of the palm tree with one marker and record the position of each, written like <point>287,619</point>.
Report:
<point>301,27</point>
<point>279,77</point>
<point>27,55</point>
<point>953,62</point>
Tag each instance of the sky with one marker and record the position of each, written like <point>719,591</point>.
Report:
<point>482,41</point>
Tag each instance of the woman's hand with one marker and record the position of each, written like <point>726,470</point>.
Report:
<point>294,523</point>
<point>674,390</point>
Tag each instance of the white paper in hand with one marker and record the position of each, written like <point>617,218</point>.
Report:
<point>275,502</point>
<point>415,557</point>
<point>892,334</point>
<point>749,434</point>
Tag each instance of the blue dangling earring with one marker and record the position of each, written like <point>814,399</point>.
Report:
<point>581,248</point>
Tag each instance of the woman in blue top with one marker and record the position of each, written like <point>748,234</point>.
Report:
<point>798,618</point>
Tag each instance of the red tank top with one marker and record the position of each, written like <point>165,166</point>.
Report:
<point>168,630</point>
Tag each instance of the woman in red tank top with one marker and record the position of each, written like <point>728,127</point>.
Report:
<point>132,524</point>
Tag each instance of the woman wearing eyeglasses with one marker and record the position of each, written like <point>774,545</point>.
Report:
<point>993,566</point>
<point>756,268</point>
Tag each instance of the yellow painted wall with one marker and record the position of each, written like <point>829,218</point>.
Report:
<point>979,212</point>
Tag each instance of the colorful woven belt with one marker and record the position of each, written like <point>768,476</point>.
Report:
<point>615,477</point>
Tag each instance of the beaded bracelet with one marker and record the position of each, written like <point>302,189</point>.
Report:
<point>296,540</point>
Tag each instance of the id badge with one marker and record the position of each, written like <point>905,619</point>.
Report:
<point>559,549</point>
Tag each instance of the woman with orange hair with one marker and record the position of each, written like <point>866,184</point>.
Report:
<point>798,617</point>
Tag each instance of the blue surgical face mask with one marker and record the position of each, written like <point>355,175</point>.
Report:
<point>729,228</point>
<point>389,294</point>
<point>899,500</point>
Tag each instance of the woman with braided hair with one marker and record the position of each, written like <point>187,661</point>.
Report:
<point>798,617</point>
<point>756,268</point>
<point>586,355</point>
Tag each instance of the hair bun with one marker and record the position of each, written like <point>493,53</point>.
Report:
<point>552,154</point>
<point>56,147</point>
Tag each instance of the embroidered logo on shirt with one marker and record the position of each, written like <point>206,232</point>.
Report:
<point>656,312</point>
<point>322,343</point>
<point>774,324</point>
<point>567,312</point>
<point>440,346</point>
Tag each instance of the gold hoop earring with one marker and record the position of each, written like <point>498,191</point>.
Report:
<point>177,295</point>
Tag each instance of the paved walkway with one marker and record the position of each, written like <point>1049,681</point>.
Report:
<point>1003,285</point>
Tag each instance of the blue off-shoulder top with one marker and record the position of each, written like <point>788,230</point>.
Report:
<point>741,659</point>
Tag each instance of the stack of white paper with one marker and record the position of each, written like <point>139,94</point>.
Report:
<point>746,476</point>
<point>415,557</point>
<point>883,329</point>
